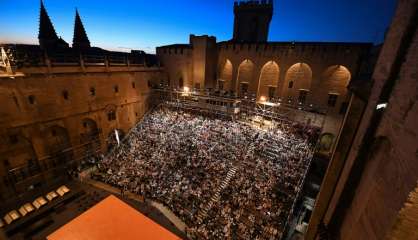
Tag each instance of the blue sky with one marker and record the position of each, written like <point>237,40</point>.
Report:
<point>143,24</point>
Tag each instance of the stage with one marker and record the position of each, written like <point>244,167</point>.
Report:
<point>112,219</point>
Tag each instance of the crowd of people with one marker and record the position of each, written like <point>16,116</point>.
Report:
<point>181,158</point>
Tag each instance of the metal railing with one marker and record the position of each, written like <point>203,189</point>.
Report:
<point>56,164</point>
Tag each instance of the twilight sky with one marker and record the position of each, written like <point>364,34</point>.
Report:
<point>143,24</point>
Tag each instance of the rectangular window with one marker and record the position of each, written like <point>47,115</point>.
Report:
<point>31,99</point>
<point>92,91</point>
<point>272,90</point>
<point>197,86</point>
<point>221,85</point>
<point>65,94</point>
<point>133,85</point>
<point>111,116</point>
<point>116,88</point>
<point>302,96</point>
<point>244,88</point>
<point>332,99</point>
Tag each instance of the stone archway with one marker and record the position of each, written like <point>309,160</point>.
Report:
<point>334,81</point>
<point>225,76</point>
<point>58,139</point>
<point>90,137</point>
<point>18,163</point>
<point>90,131</point>
<point>297,83</point>
<point>268,82</point>
<point>58,145</point>
<point>245,76</point>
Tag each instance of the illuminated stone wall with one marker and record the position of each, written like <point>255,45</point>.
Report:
<point>375,165</point>
<point>195,63</point>
<point>318,69</point>
<point>44,112</point>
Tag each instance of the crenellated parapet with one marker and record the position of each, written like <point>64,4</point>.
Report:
<point>175,49</point>
<point>187,49</point>
<point>22,55</point>
<point>293,48</point>
<point>260,3</point>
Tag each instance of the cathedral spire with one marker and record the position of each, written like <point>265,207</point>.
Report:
<point>47,35</point>
<point>80,39</point>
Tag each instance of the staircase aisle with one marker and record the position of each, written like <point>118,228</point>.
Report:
<point>215,198</point>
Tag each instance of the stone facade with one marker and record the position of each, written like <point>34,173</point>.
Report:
<point>61,105</point>
<point>374,167</point>
<point>313,74</point>
<point>47,110</point>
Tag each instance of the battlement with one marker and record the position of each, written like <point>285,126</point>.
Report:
<point>23,55</point>
<point>252,20</point>
<point>174,49</point>
<point>252,4</point>
<point>320,49</point>
<point>209,38</point>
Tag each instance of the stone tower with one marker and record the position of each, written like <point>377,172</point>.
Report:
<point>252,20</point>
<point>47,36</point>
<point>80,39</point>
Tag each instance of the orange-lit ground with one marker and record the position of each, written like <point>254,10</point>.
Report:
<point>112,219</point>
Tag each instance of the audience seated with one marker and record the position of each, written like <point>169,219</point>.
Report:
<point>181,158</point>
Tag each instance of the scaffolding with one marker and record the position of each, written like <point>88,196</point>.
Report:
<point>237,108</point>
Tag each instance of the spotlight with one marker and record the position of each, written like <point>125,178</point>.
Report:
<point>381,105</point>
<point>186,89</point>
<point>262,99</point>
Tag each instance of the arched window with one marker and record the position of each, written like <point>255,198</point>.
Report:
<point>334,84</point>
<point>298,77</point>
<point>245,75</point>
<point>226,75</point>
<point>269,77</point>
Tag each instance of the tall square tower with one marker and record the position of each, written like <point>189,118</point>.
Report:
<point>252,20</point>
